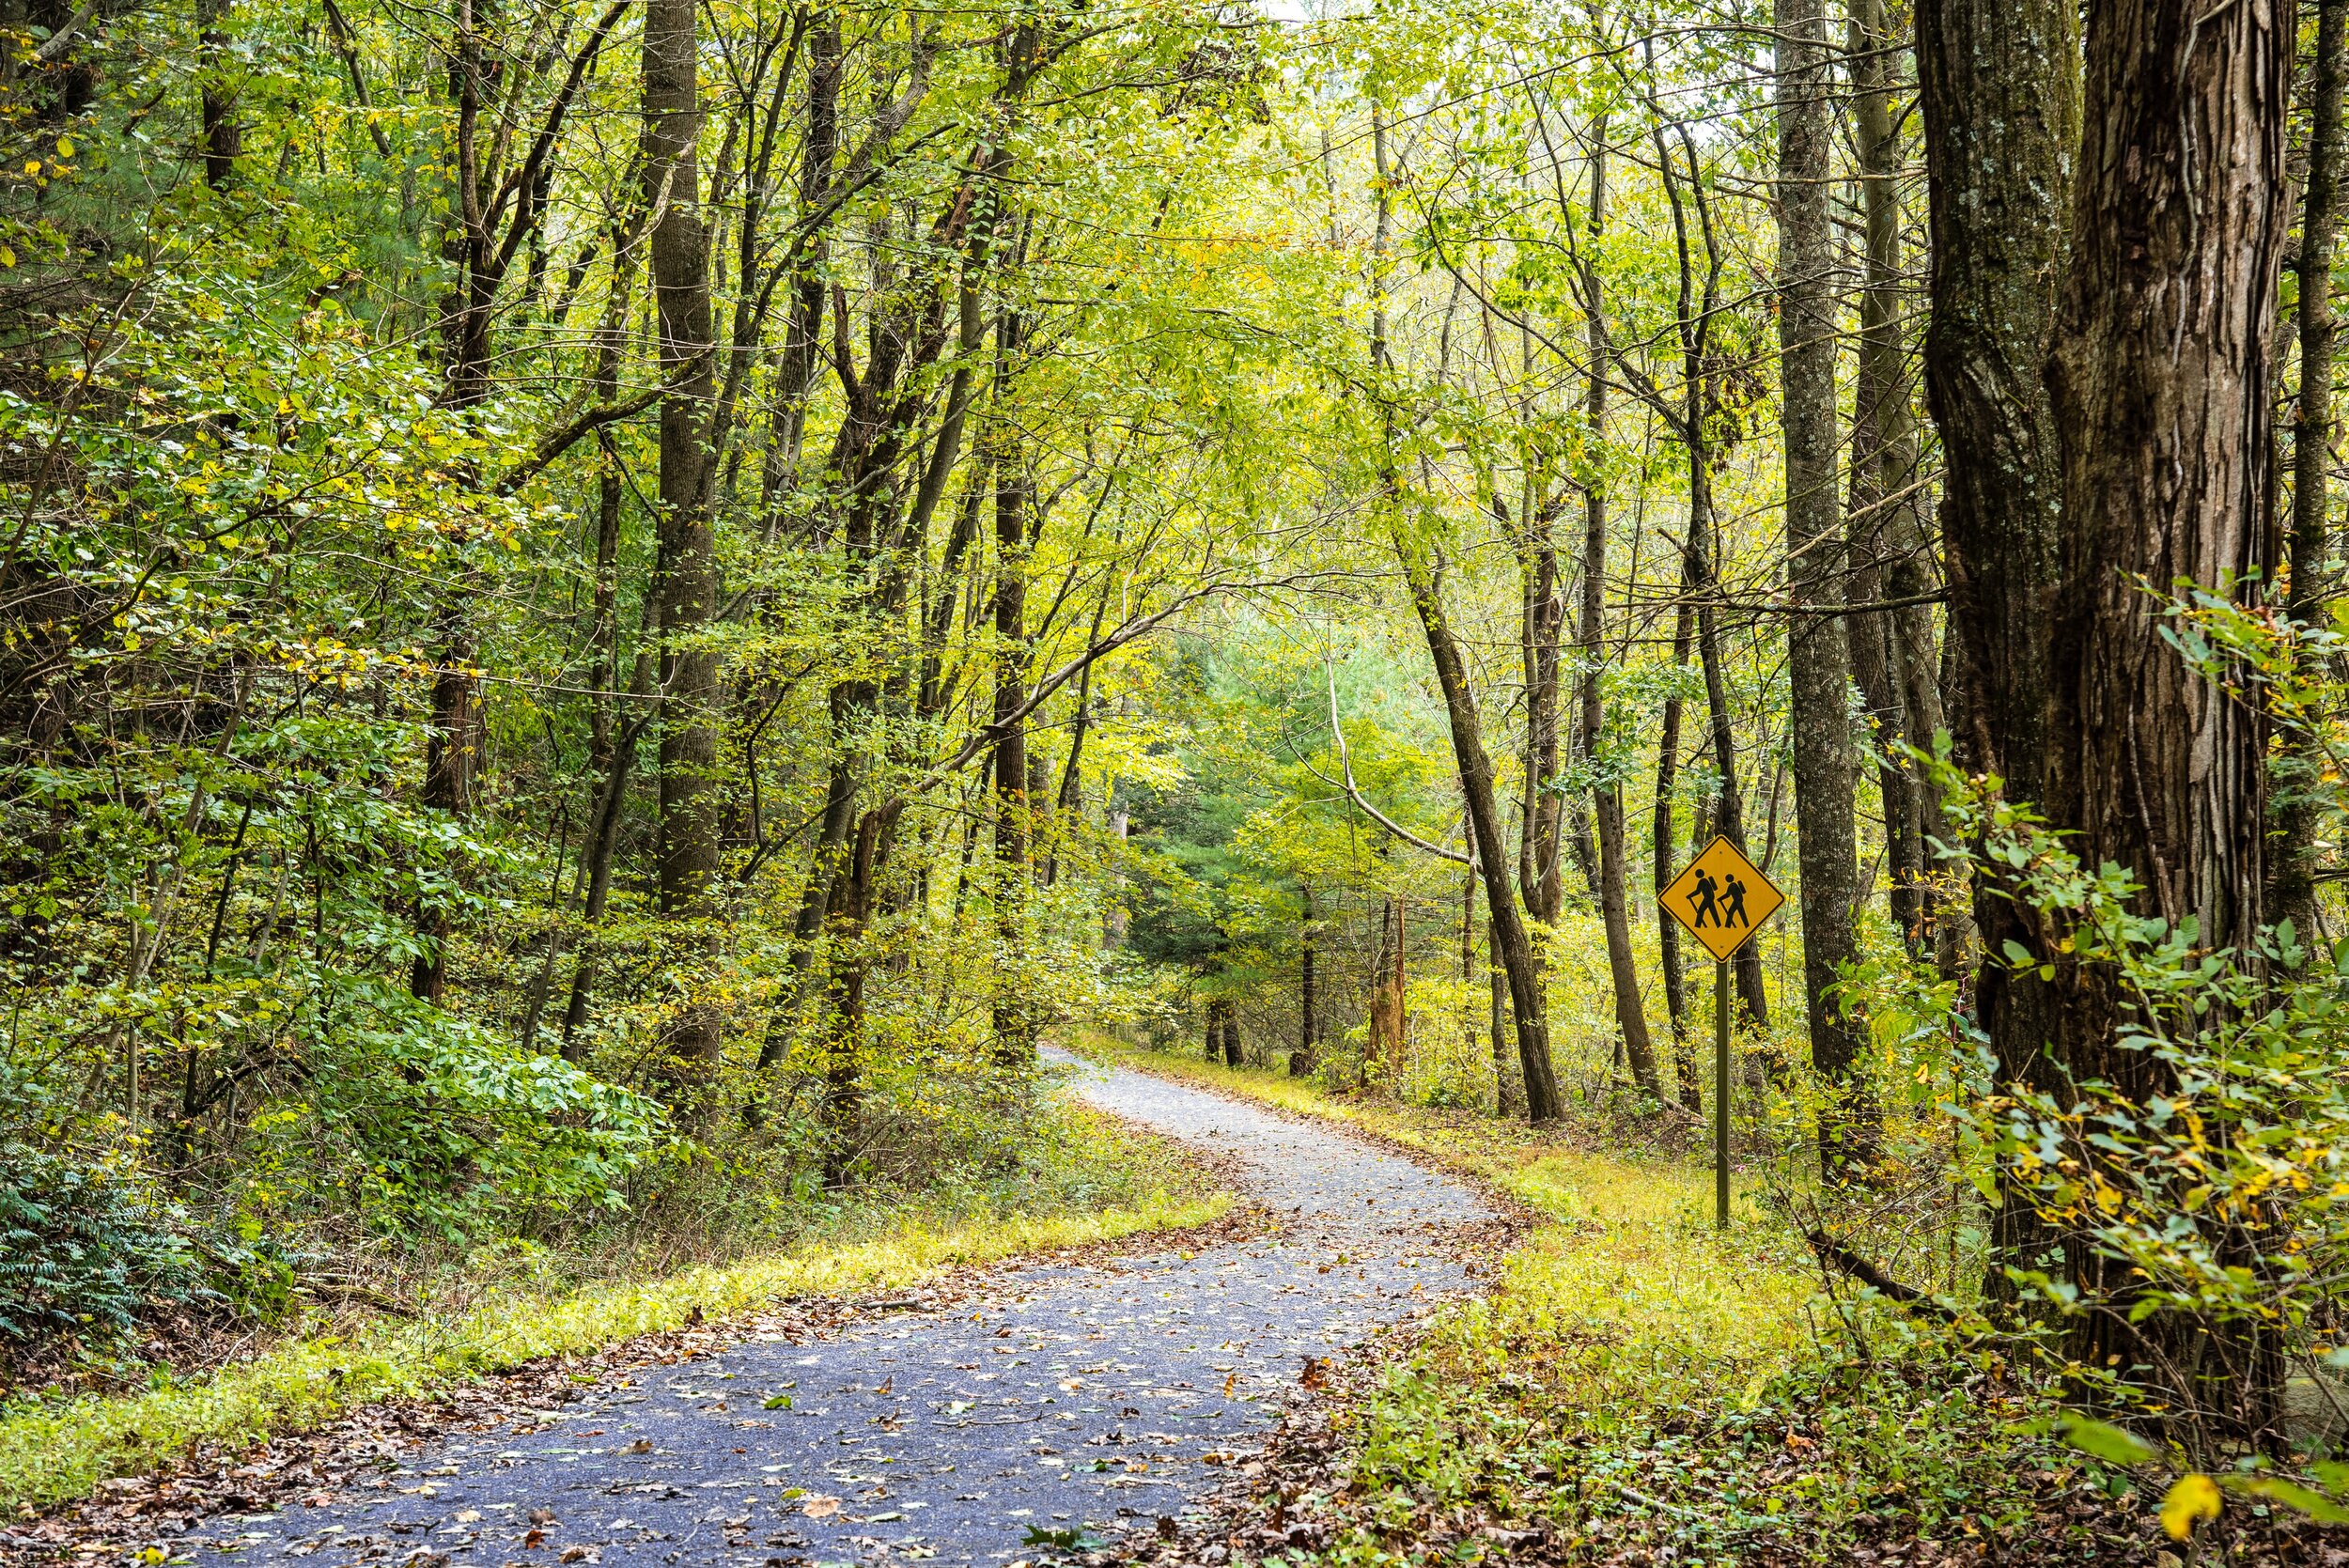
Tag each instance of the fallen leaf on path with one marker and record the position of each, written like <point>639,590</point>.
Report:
<point>820,1507</point>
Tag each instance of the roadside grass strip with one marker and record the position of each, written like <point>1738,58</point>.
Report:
<point>1629,1302</point>
<point>50,1454</point>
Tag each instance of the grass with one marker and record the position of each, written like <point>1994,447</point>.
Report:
<point>1646,1384</point>
<point>55,1451</point>
<point>1631,1257</point>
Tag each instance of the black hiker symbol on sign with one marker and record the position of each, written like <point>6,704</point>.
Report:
<point>1734,911</point>
<point>1701,898</point>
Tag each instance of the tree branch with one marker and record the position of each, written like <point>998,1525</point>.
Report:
<point>1833,1254</point>
<point>1354,793</point>
<point>587,424</point>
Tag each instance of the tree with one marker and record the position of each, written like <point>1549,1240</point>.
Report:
<point>1605,795</point>
<point>2001,133</point>
<point>687,560</point>
<point>2162,397</point>
<point>2292,895</point>
<point>1817,657</point>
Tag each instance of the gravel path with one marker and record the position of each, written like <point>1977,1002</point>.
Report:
<point>1076,1403</point>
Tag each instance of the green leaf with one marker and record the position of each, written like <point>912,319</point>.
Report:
<point>2317,1506</point>
<point>2109,1443</point>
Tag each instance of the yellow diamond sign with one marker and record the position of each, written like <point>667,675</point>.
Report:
<point>1722,898</point>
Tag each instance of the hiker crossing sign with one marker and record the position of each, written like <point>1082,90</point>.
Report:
<point>1722,899</point>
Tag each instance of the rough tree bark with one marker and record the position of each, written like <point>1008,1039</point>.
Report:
<point>2001,123</point>
<point>1817,661</point>
<point>2162,381</point>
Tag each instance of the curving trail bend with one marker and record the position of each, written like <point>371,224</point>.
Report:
<point>1069,1404</point>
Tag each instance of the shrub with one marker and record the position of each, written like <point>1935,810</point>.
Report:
<point>86,1250</point>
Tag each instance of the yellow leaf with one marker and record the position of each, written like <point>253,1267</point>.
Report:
<point>2194,1498</point>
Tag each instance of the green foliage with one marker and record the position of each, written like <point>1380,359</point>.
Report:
<point>89,1252</point>
<point>2218,1191</point>
<point>84,1251</point>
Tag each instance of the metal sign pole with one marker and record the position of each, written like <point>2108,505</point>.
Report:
<point>1720,1093</point>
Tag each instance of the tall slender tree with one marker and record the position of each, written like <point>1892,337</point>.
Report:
<point>687,559</point>
<point>1614,901</point>
<point>2310,580</point>
<point>1817,657</point>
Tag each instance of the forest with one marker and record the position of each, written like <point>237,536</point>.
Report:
<point>623,623</point>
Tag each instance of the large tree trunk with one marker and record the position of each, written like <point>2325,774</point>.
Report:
<point>2002,122</point>
<point>2299,816</point>
<point>1818,663</point>
<point>1614,902</point>
<point>688,563</point>
<point>2161,380</point>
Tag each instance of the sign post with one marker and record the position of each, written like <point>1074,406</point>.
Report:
<point>1721,1093</point>
<point>1722,899</point>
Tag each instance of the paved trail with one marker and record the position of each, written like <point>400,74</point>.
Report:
<point>1079,1399</point>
